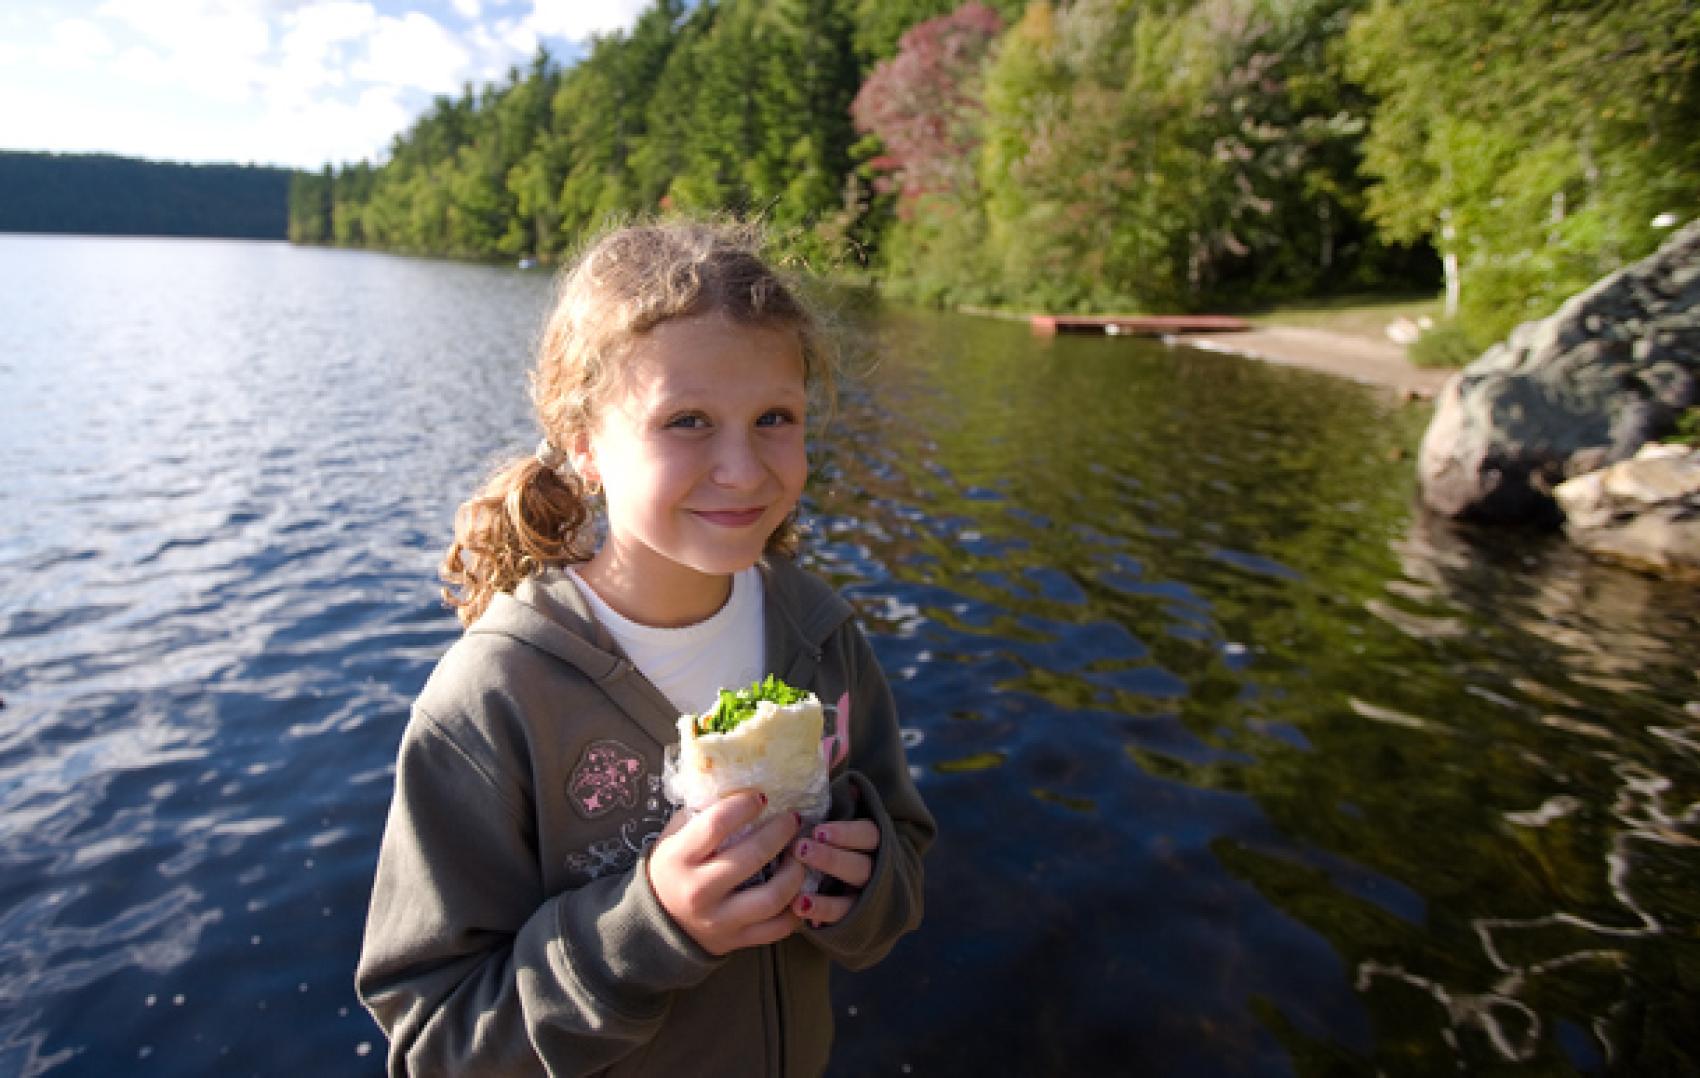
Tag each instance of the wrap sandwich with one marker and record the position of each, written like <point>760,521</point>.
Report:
<point>765,737</point>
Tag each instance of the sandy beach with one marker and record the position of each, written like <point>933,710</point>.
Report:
<point>1370,360</point>
<point>1362,359</point>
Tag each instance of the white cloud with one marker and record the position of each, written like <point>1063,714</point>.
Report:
<point>196,26</point>
<point>295,82</point>
<point>576,21</point>
<point>517,36</point>
<point>216,48</point>
<point>315,48</point>
<point>142,65</point>
<point>78,43</point>
<point>413,51</point>
<point>146,123</point>
<point>315,33</point>
<point>332,130</point>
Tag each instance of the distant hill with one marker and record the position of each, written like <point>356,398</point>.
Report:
<point>103,194</point>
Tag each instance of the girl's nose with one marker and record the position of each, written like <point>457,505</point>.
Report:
<point>737,464</point>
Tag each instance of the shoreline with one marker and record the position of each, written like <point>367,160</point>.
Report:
<point>1365,360</point>
<point>1370,361</point>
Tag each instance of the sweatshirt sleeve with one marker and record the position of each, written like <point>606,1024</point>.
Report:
<point>470,968</point>
<point>876,786</point>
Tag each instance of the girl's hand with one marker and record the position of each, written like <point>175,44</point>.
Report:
<point>844,851</point>
<point>696,876</point>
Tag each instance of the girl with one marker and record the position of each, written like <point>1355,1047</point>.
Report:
<point>534,909</point>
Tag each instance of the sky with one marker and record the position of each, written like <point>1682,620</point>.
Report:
<point>298,83</point>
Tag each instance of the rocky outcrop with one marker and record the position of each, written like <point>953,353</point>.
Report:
<point>1645,510</point>
<point>1610,371</point>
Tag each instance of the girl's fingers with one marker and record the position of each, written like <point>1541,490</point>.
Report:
<point>819,911</point>
<point>764,932</point>
<point>841,850</point>
<point>732,865</point>
<point>849,835</point>
<point>709,829</point>
<point>850,866</point>
<point>767,900</point>
<point>705,899</point>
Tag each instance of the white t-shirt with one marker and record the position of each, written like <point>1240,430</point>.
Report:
<point>691,663</point>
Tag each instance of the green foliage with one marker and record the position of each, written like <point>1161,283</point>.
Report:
<point>1535,140</point>
<point>801,131</point>
<point>1033,135</point>
<point>938,256</point>
<point>1687,430</point>
<point>1178,156</point>
<point>104,194</point>
<point>312,210</point>
<point>1444,345</point>
<point>740,105</point>
<point>1095,154</point>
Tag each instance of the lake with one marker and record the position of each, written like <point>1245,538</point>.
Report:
<point>1243,764</point>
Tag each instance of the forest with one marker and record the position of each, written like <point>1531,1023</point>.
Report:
<point>1087,155</point>
<point>102,194</point>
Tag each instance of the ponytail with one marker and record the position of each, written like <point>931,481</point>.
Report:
<point>525,517</point>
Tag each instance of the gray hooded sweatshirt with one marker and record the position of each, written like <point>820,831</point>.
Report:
<point>513,929</point>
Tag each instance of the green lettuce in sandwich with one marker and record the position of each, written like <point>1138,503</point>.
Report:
<point>736,705</point>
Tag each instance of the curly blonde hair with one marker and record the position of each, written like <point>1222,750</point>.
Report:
<point>624,284</point>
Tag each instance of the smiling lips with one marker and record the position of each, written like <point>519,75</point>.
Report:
<point>731,518</point>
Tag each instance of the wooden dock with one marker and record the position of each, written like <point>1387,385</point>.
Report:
<point>1140,325</point>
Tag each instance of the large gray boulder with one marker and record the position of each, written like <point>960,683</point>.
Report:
<point>1610,371</point>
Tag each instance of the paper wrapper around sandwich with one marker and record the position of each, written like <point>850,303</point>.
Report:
<point>777,751</point>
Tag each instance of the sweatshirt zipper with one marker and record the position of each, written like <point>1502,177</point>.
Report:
<point>778,1006</point>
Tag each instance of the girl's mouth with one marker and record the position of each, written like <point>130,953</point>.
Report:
<point>730,518</point>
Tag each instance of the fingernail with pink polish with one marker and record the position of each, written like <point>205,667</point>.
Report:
<point>805,903</point>
<point>821,834</point>
<point>802,849</point>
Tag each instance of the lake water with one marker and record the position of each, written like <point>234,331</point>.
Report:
<point>1242,764</point>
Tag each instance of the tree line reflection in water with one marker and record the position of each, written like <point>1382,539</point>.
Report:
<point>1180,651</point>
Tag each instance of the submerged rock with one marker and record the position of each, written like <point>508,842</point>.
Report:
<point>1644,510</point>
<point>1610,371</point>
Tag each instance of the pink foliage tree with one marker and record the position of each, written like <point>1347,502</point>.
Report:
<point>924,105</point>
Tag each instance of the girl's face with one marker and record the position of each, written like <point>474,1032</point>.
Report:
<point>699,448</point>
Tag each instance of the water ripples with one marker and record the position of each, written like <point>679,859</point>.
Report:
<point>1242,766</point>
<point>1217,672</point>
<point>213,626</point>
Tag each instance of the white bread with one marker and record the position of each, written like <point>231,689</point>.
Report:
<point>777,750</point>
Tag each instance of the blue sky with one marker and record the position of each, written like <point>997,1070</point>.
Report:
<point>285,82</point>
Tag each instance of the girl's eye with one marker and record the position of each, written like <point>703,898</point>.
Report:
<point>778,417</point>
<point>688,421</point>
